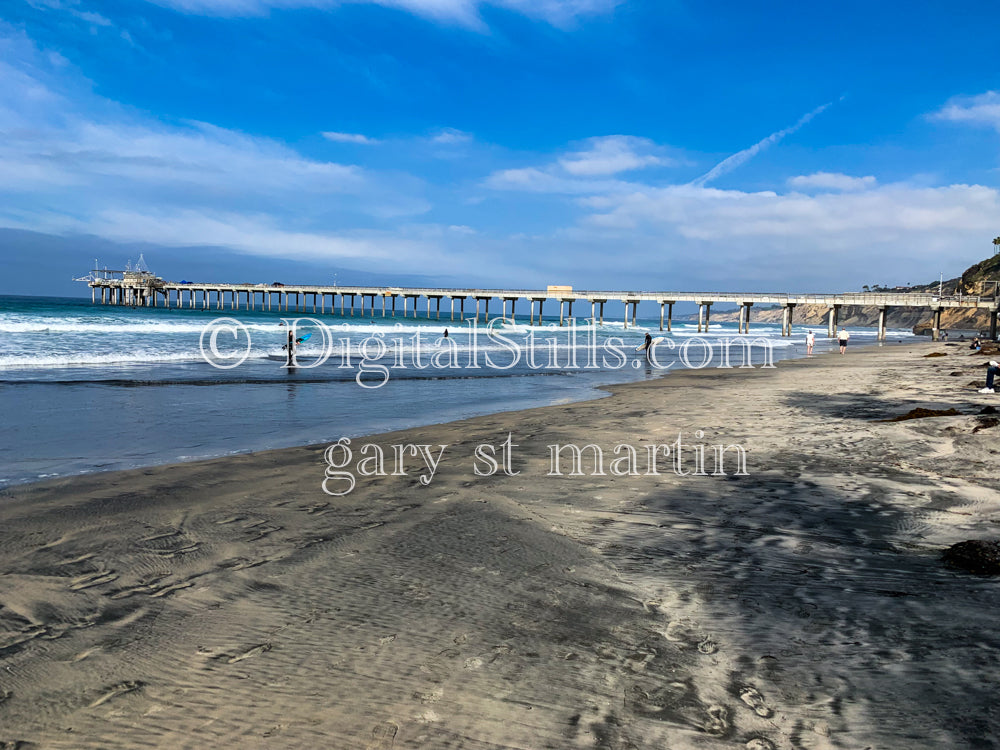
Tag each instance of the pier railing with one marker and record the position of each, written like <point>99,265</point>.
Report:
<point>148,291</point>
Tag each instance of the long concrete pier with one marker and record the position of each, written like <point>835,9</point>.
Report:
<point>144,289</point>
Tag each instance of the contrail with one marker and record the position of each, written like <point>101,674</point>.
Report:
<point>732,162</point>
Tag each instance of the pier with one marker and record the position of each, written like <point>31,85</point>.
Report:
<point>140,288</point>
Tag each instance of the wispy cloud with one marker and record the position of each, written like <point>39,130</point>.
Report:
<point>349,138</point>
<point>533,180</point>
<point>612,154</point>
<point>844,220</point>
<point>832,181</point>
<point>88,18</point>
<point>585,171</point>
<point>72,161</point>
<point>983,109</point>
<point>741,157</point>
<point>463,12</point>
<point>450,137</point>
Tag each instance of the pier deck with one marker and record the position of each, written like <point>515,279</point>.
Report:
<point>144,289</point>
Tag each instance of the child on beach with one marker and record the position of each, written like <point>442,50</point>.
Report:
<point>810,342</point>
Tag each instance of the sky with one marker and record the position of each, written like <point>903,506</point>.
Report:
<point>607,144</point>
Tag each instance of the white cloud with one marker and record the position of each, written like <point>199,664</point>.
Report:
<point>586,171</point>
<point>95,167</point>
<point>532,180</point>
<point>832,181</point>
<point>71,9</point>
<point>612,154</point>
<point>741,157</point>
<point>890,213</point>
<point>259,235</point>
<point>349,138</point>
<point>983,109</point>
<point>450,137</point>
<point>464,12</point>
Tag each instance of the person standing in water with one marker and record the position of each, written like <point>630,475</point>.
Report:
<point>810,342</point>
<point>290,350</point>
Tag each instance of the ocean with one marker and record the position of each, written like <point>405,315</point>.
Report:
<point>87,387</point>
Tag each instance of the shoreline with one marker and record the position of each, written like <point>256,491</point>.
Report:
<point>138,455</point>
<point>232,602</point>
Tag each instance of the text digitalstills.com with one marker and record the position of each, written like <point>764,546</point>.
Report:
<point>227,343</point>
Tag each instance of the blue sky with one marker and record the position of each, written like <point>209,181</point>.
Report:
<point>600,143</point>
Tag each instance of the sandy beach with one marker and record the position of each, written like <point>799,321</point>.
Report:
<point>234,603</point>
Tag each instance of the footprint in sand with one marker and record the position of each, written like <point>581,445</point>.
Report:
<point>752,697</point>
<point>383,736</point>
<point>115,690</point>
<point>678,702</point>
<point>689,634</point>
<point>760,743</point>
<point>431,696</point>
<point>708,646</point>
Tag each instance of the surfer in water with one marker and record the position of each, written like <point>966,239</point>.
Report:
<point>289,348</point>
<point>648,345</point>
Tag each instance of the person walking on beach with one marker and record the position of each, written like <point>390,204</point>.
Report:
<point>810,342</point>
<point>991,372</point>
<point>843,337</point>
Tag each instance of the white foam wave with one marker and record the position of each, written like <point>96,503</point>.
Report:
<point>90,359</point>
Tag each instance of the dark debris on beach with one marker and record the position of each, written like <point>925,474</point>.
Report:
<point>979,556</point>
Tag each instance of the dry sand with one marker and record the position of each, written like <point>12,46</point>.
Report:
<point>231,603</point>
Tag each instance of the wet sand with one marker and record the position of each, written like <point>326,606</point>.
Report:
<point>232,603</point>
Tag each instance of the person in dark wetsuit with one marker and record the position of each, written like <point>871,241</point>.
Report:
<point>648,345</point>
<point>290,349</point>
<point>446,333</point>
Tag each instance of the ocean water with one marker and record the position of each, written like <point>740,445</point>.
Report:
<point>87,387</point>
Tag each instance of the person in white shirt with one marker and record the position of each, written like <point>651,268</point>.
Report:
<point>810,342</point>
<point>843,337</point>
